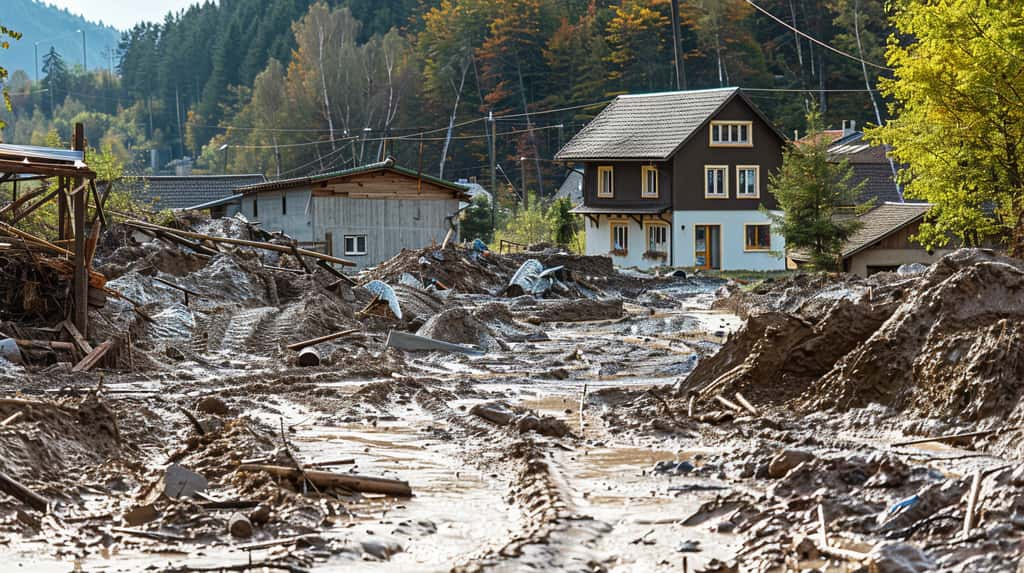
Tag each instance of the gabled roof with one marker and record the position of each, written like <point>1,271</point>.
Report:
<point>883,221</point>
<point>182,192</point>
<point>649,126</point>
<point>386,165</point>
<point>878,223</point>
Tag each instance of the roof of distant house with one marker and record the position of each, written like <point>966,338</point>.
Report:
<point>572,187</point>
<point>185,191</point>
<point>649,126</point>
<point>878,223</point>
<point>386,165</point>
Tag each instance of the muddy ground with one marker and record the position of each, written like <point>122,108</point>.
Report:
<point>591,435</point>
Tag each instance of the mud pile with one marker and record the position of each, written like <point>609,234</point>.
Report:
<point>453,268</point>
<point>946,343</point>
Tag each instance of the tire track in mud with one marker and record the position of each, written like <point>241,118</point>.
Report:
<point>552,534</point>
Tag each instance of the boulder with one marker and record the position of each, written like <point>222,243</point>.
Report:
<point>786,460</point>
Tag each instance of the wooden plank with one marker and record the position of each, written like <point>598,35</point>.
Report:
<point>324,479</point>
<point>746,405</point>
<point>311,342</point>
<point>953,437</point>
<point>93,357</point>
<point>77,337</point>
<point>80,276</point>
<point>972,503</point>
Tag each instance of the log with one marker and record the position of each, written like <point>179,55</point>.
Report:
<point>23,494</point>
<point>239,526</point>
<point>953,437</point>
<point>241,242</point>
<point>313,341</point>
<point>972,503</point>
<point>746,405</point>
<point>728,404</point>
<point>93,357</point>
<point>44,345</point>
<point>309,356</point>
<point>324,479</point>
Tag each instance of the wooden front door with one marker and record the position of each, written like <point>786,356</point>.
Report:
<point>707,247</point>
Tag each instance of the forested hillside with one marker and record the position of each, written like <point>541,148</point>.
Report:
<point>293,87</point>
<point>51,26</point>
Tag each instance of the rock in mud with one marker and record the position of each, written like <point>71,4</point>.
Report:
<point>893,557</point>
<point>212,405</point>
<point>260,516</point>
<point>182,482</point>
<point>785,461</point>
<point>543,425</point>
<point>380,550</point>
<point>498,413</point>
<point>672,468</point>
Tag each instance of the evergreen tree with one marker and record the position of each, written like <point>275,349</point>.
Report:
<point>811,191</point>
<point>56,80</point>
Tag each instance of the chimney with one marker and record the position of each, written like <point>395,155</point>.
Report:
<point>849,127</point>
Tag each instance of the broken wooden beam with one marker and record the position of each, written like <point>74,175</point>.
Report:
<point>324,479</point>
<point>91,359</point>
<point>77,337</point>
<point>11,418</point>
<point>727,403</point>
<point>15,489</point>
<point>747,405</point>
<point>44,345</point>
<point>972,503</point>
<point>326,338</point>
<point>287,249</point>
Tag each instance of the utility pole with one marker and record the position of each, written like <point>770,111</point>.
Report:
<point>37,61</point>
<point>85,63</point>
<point>680,72</point>
<point>177,113</point>
<point>522,170</point>
<point>494,176</point>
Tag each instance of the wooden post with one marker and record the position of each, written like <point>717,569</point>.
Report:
<point>62,209</point>
<point>81,263</point>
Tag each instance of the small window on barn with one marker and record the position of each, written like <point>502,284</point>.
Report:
<point>284,204</point>
<point>355,244</point>
<point>758,238</point>
<point>255,207</point>
<point>731,134</point>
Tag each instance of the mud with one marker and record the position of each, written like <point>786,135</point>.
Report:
<point>589,437</point>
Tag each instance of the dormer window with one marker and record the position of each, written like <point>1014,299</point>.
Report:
<point>605,181</point>
<point>649,183</point>
<point>731,134</point>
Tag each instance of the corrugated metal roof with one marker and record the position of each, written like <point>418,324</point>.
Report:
<point>646,126</point>
<point>387,164</point>
<point>34,152</point>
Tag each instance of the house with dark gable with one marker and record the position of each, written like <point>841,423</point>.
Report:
<point>678,179</point>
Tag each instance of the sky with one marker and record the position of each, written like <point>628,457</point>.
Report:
<point>123,14</point>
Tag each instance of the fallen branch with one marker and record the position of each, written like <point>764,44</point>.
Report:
<point>972,503</point>
<point>23,494</point>
<point>953,437</point>
<point>324,479</point>
<point>747,405</point>
<point>727,403</point>
<point>11,418</point>
<point>93,357</point>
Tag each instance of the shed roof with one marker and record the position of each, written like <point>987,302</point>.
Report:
<point>882,221</point>
<point>186,191</point>
<point>386,165</point>
<point>649,126</point>
<point>44,161</point>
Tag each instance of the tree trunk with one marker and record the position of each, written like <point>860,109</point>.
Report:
<point>323,82</point>
<point>451,118</point>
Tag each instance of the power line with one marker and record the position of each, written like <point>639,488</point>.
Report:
<point>817,41</point>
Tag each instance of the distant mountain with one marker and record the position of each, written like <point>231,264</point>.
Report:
<point>53,26</point>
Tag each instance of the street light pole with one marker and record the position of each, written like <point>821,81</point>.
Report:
<point>85,63</point>
<point>37,62</point>
<point>494,177</point>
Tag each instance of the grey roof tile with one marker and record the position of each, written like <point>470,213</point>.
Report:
<point>882,221</point>
<point>181,192</point>
<point>645,126</point>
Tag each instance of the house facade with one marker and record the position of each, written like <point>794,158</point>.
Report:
<point>366,214</point>
<point>678,179</point>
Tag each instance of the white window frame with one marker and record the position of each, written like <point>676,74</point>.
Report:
<point>645,188</point>
<point>648,226</point>
<point>757,182</point>
<point>354,251</point>
<point>730,129</point>
<point>612,227</point>
<point>601,191</point>
<point>725,182</point>
<point>747,248</point>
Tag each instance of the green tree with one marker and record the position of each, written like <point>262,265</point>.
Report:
<point>5,33</point>
<point>56,80</point>
<point>640,56</point>
<point>812,191</point>
<point>959,117</point>
<point>476,220</point>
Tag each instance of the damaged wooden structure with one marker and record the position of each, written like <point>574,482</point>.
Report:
<point>40,278</point>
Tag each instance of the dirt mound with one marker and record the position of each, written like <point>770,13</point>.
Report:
<point>540,311</point>
<point>954,347</point>
<point>459,326</point>
<point>455,268</point>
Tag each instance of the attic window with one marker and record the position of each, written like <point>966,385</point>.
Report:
<point>731,134</point>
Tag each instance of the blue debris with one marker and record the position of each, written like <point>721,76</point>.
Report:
<point>910,501</point>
